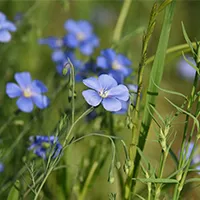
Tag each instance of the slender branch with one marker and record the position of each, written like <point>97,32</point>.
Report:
<point>88,180</point>
<point>120,23</point>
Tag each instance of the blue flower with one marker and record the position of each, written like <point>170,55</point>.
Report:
<point>105,90</point>
<point>1,167</point>
<point>28,91</point>
<point>52,42</point>
<point>80,35</point>
<point>115,64</point>
<point>42,146</point>
<point>5,27</point>
<point>185,70</point>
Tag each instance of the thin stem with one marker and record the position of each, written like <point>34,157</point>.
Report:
<point>88,180</point>
<point>161,169</point>
<point>73,125</point>
<point>135,116</point>
<point>120,23</point>
<point>72,81</point>
<point>179,186</point>
<point>181,47</point>
<point>42,184</point>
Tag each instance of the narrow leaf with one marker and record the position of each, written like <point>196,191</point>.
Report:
<point>156,75</point>
<point>156,180</point>
<point>14,193</point>
<point>187,38</point>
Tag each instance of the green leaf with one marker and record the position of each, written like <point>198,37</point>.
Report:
<point>169,91</point>
<point>187,38</point>
<point>173,156</point>
<point>163,5</point>
<point>187,113</point>
<point>14,193</point>
<point>191,180</point>
<point>156,180</point>
<point>140,197</point>
<point>143,157</point>
<point>190,63</point>
<point>156,75</point>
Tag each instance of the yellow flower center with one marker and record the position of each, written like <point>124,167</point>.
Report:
<point>116,65</point>
<point>27,93</point>
<point>80,36</point>
<point>59,43</point>
<point>103,93</point>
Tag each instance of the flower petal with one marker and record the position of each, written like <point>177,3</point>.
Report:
<point>71,26</point>
<point>102,62</point>
<point>13,90</point>
<point>71,40</point>
<point>86,49</point>
<point>94,40</point>
<point>41,101</point>
<point>112,104</point>
<point>2,17</point>
<point>5,36</point>
<point>107,82</point>
<point>109,54</point>
<point>58,56</point>
<point>93,83</point>
<point>25,104</point>
<point>38,87</point>
<point>124,108</point>
<point>120,92</point>
<point>52,42</point>
<point>92,97</point>
<point>23,79</point>
<point>9,26</point>
<point>132,88</point>
<point>85,27</point>
<point>119,77</point>
<point>59,69</point>
<point>123,60</point>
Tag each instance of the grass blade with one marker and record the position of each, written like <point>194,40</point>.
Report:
<point>156,76</point>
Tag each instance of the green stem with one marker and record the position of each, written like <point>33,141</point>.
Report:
<point>120,23</point>
<point>181,47</point>
<point>135,117</point>
<point>73,125</point>
<point>72,81</point>
<point>42,184</point>
<point>156,76</point>
<point>180,185</point>
<point>88,180</point>
<point>183,144</point>
<point>161,169</point>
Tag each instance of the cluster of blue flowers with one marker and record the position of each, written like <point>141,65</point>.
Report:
<point>79,36</point>
<point>42,146</point>
<point>112,68</point>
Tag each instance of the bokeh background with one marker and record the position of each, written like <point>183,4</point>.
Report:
<point>43,18</point>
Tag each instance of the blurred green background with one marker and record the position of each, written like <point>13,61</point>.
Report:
<point>43,18</point>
